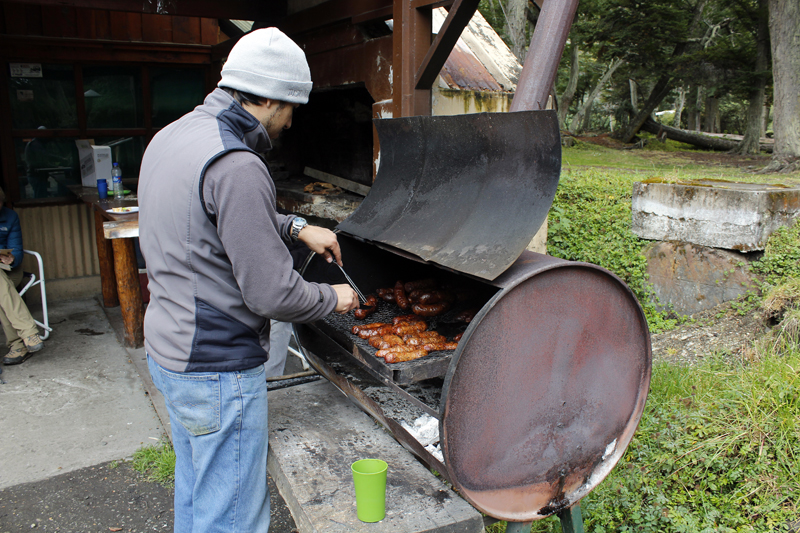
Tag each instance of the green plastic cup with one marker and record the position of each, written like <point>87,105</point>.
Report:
<point>369,477</point>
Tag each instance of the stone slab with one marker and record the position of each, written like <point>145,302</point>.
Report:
<point>734,216</point>
<point>692,278</point>
<point>316,433</point>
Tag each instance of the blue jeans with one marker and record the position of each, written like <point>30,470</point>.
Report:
<point>219,432</point>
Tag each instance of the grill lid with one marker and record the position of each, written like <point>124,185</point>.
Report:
<point>467,192</point>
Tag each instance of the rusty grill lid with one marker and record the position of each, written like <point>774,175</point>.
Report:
<point>546,389</point>
<point>466,192</point>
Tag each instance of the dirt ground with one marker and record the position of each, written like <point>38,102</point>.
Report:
<point>107,497</point>
<point>721,330</point>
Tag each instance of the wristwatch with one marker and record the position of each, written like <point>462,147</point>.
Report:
<point>298,224</point>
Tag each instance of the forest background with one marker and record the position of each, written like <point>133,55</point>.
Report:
<point>717,66</point>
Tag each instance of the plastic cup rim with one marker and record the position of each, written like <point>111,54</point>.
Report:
<point>384,465</point>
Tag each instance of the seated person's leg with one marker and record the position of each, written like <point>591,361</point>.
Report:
<point>22,335</point>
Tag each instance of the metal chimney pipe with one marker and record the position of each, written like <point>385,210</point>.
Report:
<point>541,64</point>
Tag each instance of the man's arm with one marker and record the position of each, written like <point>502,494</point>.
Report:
<point>238,190</point>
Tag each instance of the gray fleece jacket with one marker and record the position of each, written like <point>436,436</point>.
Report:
<point>217,262</point>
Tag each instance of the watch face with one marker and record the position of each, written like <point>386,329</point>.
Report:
<point>299,222</point>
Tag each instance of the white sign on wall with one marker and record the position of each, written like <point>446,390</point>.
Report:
<point>26,70</point>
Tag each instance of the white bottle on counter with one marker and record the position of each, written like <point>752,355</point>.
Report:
<point>116,174</point>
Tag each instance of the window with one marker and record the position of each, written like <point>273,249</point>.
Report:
<point>175,92</point>
<point>43,98</point>
<point>54,105</point>
<point>113,97</point>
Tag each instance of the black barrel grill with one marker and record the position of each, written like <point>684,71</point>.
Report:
<point>548,383</point>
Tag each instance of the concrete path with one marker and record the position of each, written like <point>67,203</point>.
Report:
<point>77,403</point>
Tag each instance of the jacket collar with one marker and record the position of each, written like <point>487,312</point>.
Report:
<point>244,125</point>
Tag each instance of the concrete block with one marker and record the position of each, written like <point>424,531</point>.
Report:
<point>694,278</point>
<point>316,433</point>
<point>734,216</point>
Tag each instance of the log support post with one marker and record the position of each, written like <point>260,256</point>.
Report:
<point>130,292</point>
<point>105,255</point>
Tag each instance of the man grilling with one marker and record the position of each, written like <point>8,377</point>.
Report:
<point>218,269</point>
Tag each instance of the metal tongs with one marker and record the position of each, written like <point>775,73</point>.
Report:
<point>350,281</point>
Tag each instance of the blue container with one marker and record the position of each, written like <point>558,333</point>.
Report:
<point>102,189</point>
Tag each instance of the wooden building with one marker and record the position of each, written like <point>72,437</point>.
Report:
<point>117,71</point>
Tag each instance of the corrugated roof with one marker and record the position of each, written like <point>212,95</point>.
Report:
<point>463,70</point>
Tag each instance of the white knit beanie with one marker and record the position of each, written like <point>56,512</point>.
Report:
<point>269,64</point>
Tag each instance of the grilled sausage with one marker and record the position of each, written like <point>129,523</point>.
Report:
<point>398,357</point>
<point>387,341</point>
<point>400,297</point>
<point>422,341</point>
<point>370,306</point>
<point>422,335</point>
<point>458,337</point>
<point>410,327</point>
<point>380,331</point>
<point>363,312</point>
<point>404,319</point>
<point>386,294</point>
<point>414,296</point>
<point>427,283</point>
<point>434,297</point>
<point>355,329</point>
<point>430,309</point>
<point>396,349</point>
<point>440,346</point>
<point>465,316</point>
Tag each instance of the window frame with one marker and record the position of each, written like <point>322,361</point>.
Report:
<point>8,134</point>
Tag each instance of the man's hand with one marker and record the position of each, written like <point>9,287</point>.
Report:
<point>322,241</point>
<point>347,298</point>
<point>7,259</point>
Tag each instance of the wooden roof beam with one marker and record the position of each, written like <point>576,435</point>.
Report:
<point>457,19</point>
<point>229,9</point>
<point>334,11</point>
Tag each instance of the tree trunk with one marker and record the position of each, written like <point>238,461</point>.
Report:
<point>697,139</point>
<point>660,91</point>
<point>587,117</point>
<point>634,96</point>
<point>676,120</point>
<point>755,119</point>
<point>691,110</point>
<point>664,84</point>
<point>516,21</point>
<point>784,30</point>
<point>569,93</point>
<point>578,118</point>
<point>698,106</point>
<point>712,115</point>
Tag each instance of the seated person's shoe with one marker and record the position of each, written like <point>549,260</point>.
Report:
<point>16,356</point>
<point>33,342</point>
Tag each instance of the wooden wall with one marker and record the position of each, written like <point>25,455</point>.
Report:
<point>81,23</point>
<point>64,236</point>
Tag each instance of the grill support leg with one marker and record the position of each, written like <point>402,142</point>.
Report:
<point>571,522</point>
<point>571,519</point>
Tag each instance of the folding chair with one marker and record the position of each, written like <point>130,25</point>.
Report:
<point>29,280</point>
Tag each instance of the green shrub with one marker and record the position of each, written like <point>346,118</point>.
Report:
<point>590,221</point>
<point>716,450</point>
<point>781,258</point>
